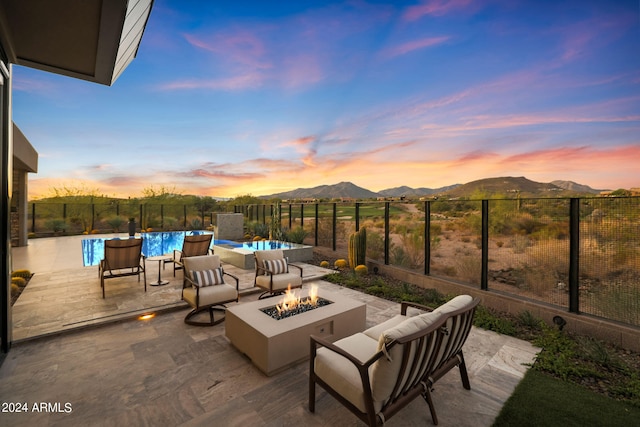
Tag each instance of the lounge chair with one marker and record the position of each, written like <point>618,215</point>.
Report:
<point>195,245</point>
<point>122,258</point>
<point>272,273</point>
<point>204,288</point>
<point>378,372</point>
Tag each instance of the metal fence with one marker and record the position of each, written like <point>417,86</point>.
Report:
<point>48,219</point>
<point>582,254</point>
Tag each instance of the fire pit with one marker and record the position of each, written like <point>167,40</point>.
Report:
<point>292,304</point>
<point>274,345</point>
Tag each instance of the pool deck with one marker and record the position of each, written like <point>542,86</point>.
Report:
<point>64,295</point>
<point>113,370</point>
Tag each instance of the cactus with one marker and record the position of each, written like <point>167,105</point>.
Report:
<point>340,263</point>
<point>361,270</point>
<point>358,248</point>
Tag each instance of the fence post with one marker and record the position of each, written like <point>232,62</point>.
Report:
<point>335,221</point>
<point>317,223</point>
<point>574,255</point>
<point>290,216</point>
<point>386,233</point>
<point>302,215</point>
<point>427,237</point>
<point>357,215</point>
<point>484,275</point>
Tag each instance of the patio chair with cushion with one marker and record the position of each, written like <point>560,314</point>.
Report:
<point>122,258</point>
<point>205,289</point>
<point>195,245</point>
<point>272,273</point>
<point>378,372</point>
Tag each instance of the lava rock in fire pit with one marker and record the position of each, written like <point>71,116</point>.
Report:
<point>274,313</point>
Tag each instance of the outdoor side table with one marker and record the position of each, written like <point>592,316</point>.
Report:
<point>160,259</point>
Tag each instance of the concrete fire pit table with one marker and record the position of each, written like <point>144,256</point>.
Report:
<point>273,345</point>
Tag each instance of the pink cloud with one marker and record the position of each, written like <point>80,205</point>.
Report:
<point>238,82</point>
<point>414,45</point>
<point>435,8</point>
<point>237,47</point>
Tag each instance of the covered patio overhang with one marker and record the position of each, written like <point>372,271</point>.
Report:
<point>93,40</point>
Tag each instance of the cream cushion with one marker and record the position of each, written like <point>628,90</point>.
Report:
<point>280,281</point>
<point>340,374</point>
<point>210,295</point>
<point>202,262</point>
<point>456,303</point>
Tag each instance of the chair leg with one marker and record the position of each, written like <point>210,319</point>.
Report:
<point>427,396</point>
<point>463,372</point>
<point>211,309</point>
<point>312,391</point>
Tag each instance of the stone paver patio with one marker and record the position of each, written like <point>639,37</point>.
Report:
<point>112,369</point>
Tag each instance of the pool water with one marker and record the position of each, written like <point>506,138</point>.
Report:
<point>259,245</point>
<point>155,243</point>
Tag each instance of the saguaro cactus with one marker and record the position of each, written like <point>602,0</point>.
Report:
<point>358,248</point>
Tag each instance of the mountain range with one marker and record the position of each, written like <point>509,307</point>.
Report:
<point>520,186</point>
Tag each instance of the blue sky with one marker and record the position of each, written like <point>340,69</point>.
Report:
<point>255,98</point>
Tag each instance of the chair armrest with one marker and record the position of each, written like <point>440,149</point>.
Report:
<point>234,277</point>
<point>177,255</point>
<point>188,282</point>
<point>362,366</point>
<point>262,271</point>
<point>296,266</point>
<point>406,304</point>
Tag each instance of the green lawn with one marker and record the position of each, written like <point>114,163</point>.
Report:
<point>542,400</point>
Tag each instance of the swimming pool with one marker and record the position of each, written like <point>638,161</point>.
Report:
<point>240,254</point>
<point>154,243</point>
<point>259,245</point>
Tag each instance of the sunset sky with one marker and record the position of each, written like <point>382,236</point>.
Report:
<point>234,98</point>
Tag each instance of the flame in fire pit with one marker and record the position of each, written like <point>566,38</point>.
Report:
<point>291,301</point>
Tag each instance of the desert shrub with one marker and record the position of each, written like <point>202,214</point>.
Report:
<point>324,264</point>
<point>375,245</point>
<point>325,231</point>
<point>297,235</point>
<point>520,243</point>
<point>435,243</point>
<point>413,247</point>
<point>170,223</point>
<point>469,268</point>
<point>115,223</point>
<point>258,229</point>
<point>499,243</point>
<point>55,224</point>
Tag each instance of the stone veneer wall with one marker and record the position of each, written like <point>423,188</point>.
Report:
<point>15,218</point>
<point>229,226</point>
